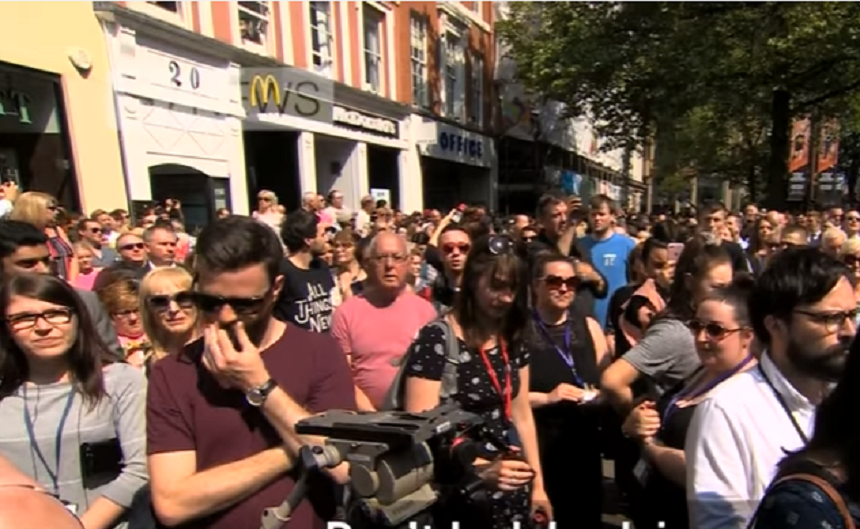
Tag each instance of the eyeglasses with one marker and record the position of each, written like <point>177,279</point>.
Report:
<point>126,313</point>
<point>713,330</point>
<point>397,258</point>
<point>53,317</point>
<point>161,303</point>
<point>132,246</point>
<point>556,282</point>
<point>242,306</point>
<point>852,218</point>
<point>95,230</point>
<point>462,247</point>
<point>831,321</point>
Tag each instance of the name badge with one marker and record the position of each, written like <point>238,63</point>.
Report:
<point>642,471</point>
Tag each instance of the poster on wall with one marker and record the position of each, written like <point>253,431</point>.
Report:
<point>381,194</point>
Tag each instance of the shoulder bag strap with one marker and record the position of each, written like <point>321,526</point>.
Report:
<point>452,360</point>
<point>828,489</point>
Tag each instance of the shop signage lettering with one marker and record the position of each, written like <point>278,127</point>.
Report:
<point>14,103</point>
<point>356,119</point>
<point>458,144</point>
<point>290,98</point>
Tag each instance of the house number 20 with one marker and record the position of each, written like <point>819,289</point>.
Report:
<point>176,75</point>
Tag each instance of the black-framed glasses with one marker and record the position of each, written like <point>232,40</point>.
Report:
<point>53,317</point>
<point>161,302</point>
<point>851,260</point>
<point>240,305</point>
<point>713,330</point>
<point>832,321</point>
<point>133,246</point>
<point>501,244</point>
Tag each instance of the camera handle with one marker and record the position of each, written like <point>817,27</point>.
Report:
<point>311,458</point>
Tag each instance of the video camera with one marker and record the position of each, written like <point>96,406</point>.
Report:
<point>399,462</point>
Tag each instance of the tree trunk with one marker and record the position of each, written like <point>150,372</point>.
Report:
<point>777,177</point>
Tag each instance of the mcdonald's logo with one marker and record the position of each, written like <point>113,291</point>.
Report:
<point>260,89</point>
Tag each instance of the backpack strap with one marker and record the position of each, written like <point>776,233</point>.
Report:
<point>828,489</point>
<point>452,359</point>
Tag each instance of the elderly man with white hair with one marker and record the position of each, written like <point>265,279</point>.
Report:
<point>375,328</point>
<point>832,241</point>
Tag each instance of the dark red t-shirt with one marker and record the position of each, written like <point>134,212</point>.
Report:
<point>187,410</point>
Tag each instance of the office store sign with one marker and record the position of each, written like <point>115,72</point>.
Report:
<point>459,145</point>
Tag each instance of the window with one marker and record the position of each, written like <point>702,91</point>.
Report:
<point>476,114</point>
<point>254,21</point>
<point>321,37</point>
<point>454,76</point>
<point>372,49</point>
<point>173,7</point>
<point>418,54</point>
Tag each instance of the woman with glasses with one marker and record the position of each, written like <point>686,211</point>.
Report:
<point>71,419</point>
<point>169,315</point>
<point>350,273</point>
<point>722,333</point>
<point>121,300</point>
<point>489,320</point>
<point>567,352</point>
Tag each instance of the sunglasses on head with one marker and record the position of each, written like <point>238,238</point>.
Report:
<point>184,299</point>
<point>713,330</point>
<point>556,282</point>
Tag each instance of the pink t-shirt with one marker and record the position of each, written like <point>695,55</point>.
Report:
<point>375,336</point>
<point>85,281</point>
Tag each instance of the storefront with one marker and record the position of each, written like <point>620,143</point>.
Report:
<point>179,118</point>
<point>334,138</point>
<point>457,165</point>
<point>57,135</point>
<point>34,139</point>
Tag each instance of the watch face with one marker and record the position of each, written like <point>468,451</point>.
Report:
<point>254,397</point>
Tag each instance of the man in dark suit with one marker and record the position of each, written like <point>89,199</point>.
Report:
<point>23,249</point>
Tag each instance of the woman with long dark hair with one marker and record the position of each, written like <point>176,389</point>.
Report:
<point>489,319</point>
<point>69,418</point>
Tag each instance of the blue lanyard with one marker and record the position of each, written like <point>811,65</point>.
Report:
<point>58,442</point>
<point>673,404</point>
<point>566,354</point>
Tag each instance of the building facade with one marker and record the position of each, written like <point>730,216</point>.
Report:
<point>539,149</point>
<point>58,132</point>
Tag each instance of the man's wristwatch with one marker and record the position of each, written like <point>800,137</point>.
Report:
<point>257,396</point>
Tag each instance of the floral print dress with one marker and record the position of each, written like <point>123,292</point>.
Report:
<point>477,393</point>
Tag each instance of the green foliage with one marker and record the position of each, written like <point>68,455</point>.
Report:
<point>700,77</point>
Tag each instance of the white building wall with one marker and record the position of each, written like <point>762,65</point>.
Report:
<point>176,106</point>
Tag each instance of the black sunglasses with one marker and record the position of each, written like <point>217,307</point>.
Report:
<point>555,282</point>
<point>242,306</point>
<point>713,330</point>
<point>184,299</point>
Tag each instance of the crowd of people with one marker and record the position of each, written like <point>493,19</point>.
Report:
<point>154,378</point>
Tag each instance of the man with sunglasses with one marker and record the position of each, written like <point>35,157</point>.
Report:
<point>133,257</point>
<point>91,231</point>
<point>24,249</point>
<point>803,310</point>
<point>221,415</point>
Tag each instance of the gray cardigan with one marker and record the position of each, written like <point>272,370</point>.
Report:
<point>121,415</point>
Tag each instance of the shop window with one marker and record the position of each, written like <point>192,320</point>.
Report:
<point>418,55</point>
<point>173,7</point>
<point>254,22</point>
<point>476,111</point>
<point>373,67</point>
<point>454,75</point>
<point>321,37</point>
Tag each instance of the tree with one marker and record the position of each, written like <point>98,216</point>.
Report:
<point>637,68</point>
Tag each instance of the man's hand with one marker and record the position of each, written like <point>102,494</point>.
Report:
<point>240,369</point>
<point>586,272</point>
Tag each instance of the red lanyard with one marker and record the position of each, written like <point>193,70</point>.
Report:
<point>505,392</point>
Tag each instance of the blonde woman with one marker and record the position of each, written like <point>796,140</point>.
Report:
<point>268,211</point>
<point>40,210</point>
<point>169,315</point>
<point>121,300</point>
<point>849,254</point>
